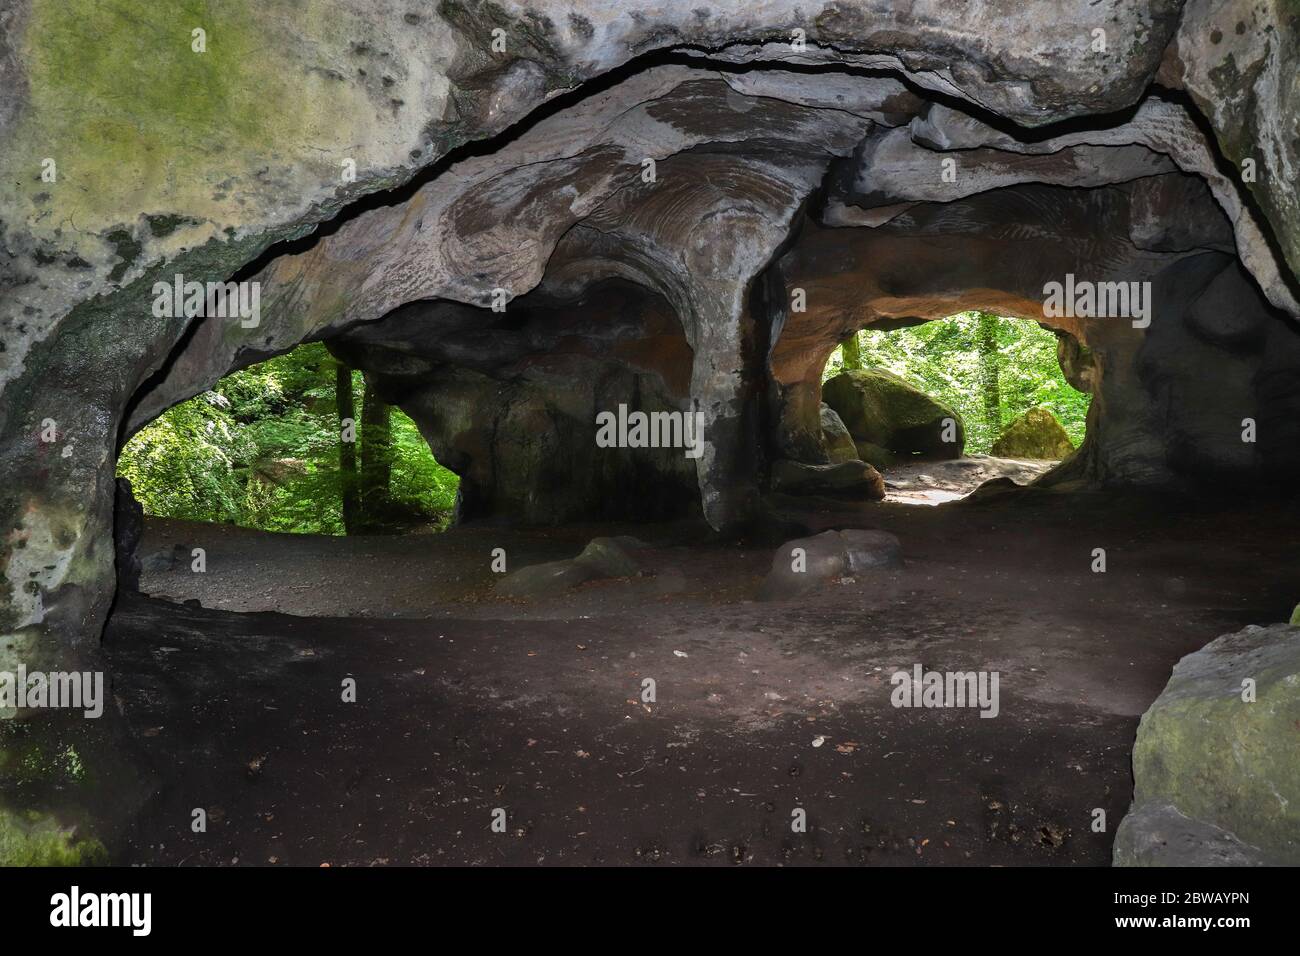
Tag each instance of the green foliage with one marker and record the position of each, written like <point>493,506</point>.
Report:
<point>942,358</point>
<point>417,477</point>
<point>261,451</point>
<point>33,839</point>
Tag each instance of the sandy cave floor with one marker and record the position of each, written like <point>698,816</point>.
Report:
<point>467,702</point>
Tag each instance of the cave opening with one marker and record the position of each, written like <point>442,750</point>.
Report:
<point>723,281</point>
<point>704,624</point>
<point>299,443</point>
<point>992,387</point>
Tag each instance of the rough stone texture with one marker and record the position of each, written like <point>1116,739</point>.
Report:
<point>805,564</point>
<point>1224,762</point>
<point>411,86</point>
<point>601,558</point>
<point>867,549</point>
<point>852,478</point>
<point>608,557</point>
<point>839,443</point>
<point>1156,834</point>
<point>1237,59</point>
<point>1152,420</point>
<point>539,580</point>
<point>479,171</point>
<point>882,409</point>
<point>1037,435</point>
<point>510,403</point>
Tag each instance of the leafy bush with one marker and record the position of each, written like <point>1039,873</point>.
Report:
<point>261,450</point>
<point>943,359</point>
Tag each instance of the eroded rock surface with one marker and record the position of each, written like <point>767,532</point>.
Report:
<point>635,204</point>
<point>1218,747</point>
<point>885,411</point>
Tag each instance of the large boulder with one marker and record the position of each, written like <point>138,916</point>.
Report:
<point>804,564</point>
<point>851,479</point>
<point>1219,746</point>
<point>883,410</point>
<point>1037,435</point>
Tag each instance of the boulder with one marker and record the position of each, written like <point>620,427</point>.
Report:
<point>804,564</point>
<point>1224,762</point>
<point>1037,435</point>
<point>601,558</point>
<point>884,410</point>
<point>539,580</point>
<point>854,479</point>
<point>838,441</point>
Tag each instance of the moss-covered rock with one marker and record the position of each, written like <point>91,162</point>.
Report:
<point>884,410</point>
<point>1036,435</point>
<point>838,441</point>
<point>1220,742</point>
<point>807,563</point>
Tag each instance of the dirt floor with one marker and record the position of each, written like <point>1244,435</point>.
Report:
<point>466,703</point>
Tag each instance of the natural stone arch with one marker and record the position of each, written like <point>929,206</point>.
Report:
<point>997,251</point>
<point>84,359</point>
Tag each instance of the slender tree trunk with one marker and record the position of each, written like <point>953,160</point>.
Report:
<point>851,351</point>
<point>347,447</point>
<point>376,455</point>
<point>986,342</point>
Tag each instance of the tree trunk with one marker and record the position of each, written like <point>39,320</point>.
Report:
<point>376,455</point>
<point>851,352</point>
<point>986,341</point>
<point>347,448</point>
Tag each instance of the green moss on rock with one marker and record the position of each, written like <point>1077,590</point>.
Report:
<point>886,411</point>
<point>1223,759</point>
<point>1035,435</point>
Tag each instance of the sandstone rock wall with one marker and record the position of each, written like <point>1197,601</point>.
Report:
<point>482,171</point>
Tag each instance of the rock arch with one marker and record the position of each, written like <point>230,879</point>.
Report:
<point>778,167</point>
